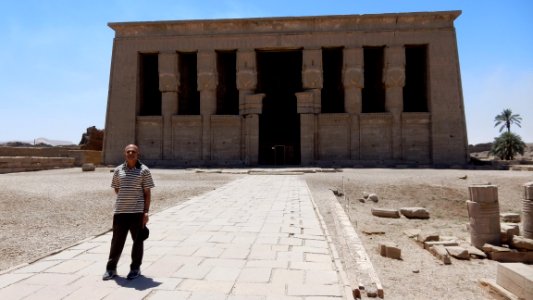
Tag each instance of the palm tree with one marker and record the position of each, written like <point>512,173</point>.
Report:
<point>506,118</point>
<point>507,145</point>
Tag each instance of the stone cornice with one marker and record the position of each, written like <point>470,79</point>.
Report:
<point>289,25</point>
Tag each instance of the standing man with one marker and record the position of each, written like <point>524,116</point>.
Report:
<point>132,182</point>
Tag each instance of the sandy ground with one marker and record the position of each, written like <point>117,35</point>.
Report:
<point>418,275</point>
<point>44,211</point>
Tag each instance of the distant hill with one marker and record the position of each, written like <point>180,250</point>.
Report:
<point>37,141</point>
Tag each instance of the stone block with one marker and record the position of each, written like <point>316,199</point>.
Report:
<point>390,250</point>
<point>508,230</point>
<point>430,244</point>
<point>385,212</point>
<point>522,243</point>
<point>510,217</point>
<point>516,278</point>
<point>512,256</point>
<point>88,167</point>
<point>373,197</point>
<point>489,248</point>
<point>528,190</point>
<point>483,193</point>
<point>458,252</point>
<point>441,253</point>
<point>427,237</point>
<point>415,212</point>
<point>475,252</point>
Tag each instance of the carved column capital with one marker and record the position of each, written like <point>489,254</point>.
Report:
<point>394,77</point>
<point>353,71</point>
<point>168,72</point>
<point>312,77</point>
<point>246,70</point>
<point>394,73</point>
<point>207,74</point>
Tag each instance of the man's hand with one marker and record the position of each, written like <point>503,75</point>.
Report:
<point>145,219</point>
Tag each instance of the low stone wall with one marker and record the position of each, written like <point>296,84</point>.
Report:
<point>80,156</point>
<point>11,164</point>
<point>21,159</point>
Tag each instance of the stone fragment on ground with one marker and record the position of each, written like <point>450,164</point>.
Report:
<point>475,252</point>
<point>440,253</point>
<point>522,243</point>
<point>488,248</point>
<point>458,252</point>
<point>430,244</point>
<point>415,212</point>
<point>390,250</point>
<point>337,192</point>
<point>510,217</point>
<point>423,237</point>
<point>88,167</point>
<point>385,212</point>
<point>373,197</point>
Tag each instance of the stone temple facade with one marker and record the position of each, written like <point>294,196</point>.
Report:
<point>351,90</point>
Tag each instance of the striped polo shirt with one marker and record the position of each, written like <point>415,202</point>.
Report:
<point>131,183</point>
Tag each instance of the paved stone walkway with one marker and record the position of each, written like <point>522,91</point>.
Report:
<point>258,237</point>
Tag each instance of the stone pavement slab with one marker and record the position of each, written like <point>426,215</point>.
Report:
<point>259,237</point>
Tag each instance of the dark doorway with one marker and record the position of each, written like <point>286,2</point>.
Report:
<point>279,77</point>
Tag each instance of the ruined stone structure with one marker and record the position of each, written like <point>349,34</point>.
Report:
<point>351,90</point>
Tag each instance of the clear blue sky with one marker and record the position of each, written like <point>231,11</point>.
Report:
<point>55,55</point>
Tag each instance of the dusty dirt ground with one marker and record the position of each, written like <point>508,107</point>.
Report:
<point>44,211</point>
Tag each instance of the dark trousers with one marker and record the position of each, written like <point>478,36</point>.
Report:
<point>122,224</point>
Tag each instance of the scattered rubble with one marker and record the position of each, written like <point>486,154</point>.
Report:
<point>373,197</point>
<point>441,253</point>
<point>385,212</point>
<point>458,252</point>
<point>415,212</point>
<point>423,237</point>
<point>390,250</point>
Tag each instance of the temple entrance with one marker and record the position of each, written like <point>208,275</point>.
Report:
<point>279,75</point>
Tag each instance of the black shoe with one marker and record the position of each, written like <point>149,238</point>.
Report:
<point>109,274</point>
<point>133,274</point>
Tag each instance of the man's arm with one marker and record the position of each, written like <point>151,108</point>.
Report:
<point>147,198</point>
